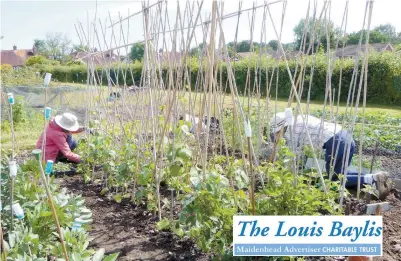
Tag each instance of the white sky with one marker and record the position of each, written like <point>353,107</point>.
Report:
<point>24,21</point>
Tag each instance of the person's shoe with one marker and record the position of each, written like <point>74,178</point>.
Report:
<point>381,183</point>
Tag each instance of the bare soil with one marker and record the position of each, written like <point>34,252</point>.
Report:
<point>129,230</point>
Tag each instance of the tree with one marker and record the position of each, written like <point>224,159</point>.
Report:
<point>79,48</point>
<point>57,44</point>
<point>40,46</point>
<point>53,41</point>
<point>137,51</point>
<point>321,32</point>
<point>65,45</point>
<point>39,59</point>
<point>374,37</point>
<point>388,30</point>
<point>197,50</point>
<point>273,44</point>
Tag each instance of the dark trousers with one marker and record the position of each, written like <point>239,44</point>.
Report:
<point>343,140</point>
<point>72,144</point>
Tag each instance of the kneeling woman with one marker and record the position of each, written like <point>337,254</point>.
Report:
<point>59,142</point>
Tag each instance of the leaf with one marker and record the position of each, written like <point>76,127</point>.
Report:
<point>117,198</point>
<point>175,170</point>
<point>185,154</point>
<point>111,257</point>
<point>99,255</point>
<point>163,224</point>
<point>104,191</point>
<point>11,239</point>
<point>185,129</point>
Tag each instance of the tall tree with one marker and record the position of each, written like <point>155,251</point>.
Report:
<point>40,47</point>
<point>197,50</point>
<point>321,32</point>
<point>65,45</point>
<point>387,29</point>
<point>273,44</point>
<point>374,37</point>
<point>53,41</point>
<point>137,51</point>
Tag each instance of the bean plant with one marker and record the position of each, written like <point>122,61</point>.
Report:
<point>34,237</point>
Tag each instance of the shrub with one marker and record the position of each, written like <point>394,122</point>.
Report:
<point>38,59</point>
<point>6,68</point>
<point>384,75</point>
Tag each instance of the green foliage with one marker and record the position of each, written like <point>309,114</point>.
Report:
<point>384,76</point>
<point>273,44</point>
<point>38,59</point>
<point>373,132</point>
<point>75,62</point>
<point>137,52</point>
<point>22,76</point>
<point>284,195</point>
<point>6,68</point>
<point>34,237</point>
<point>19,115</point>
<point>320,32</point>
<point>40,46</point>
<point>374,37</point>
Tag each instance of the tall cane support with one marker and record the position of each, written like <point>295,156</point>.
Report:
<point>38,156</point>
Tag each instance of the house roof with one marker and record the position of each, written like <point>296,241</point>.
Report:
<point>352,50</point>
<point>170,56</point>
<point>15,57</point>
<point>98,58</point>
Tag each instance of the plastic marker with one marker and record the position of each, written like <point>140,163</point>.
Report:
<point>48,76</point>
<point>13,168</point>
<point>288,116</point>
<point>10,98</point>
<point>18,211</point>
<point>48,111</point>
<point>49,167</point>
<point>248,130</point>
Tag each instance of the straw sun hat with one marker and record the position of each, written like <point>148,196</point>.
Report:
<point>67,121</point>
<point>278,121</point>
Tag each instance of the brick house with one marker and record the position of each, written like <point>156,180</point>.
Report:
<point>16,58</point>
<point>97,58</point>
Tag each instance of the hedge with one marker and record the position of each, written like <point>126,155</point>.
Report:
<point>384,76</point>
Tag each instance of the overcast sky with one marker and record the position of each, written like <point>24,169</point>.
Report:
<point>24,21</point>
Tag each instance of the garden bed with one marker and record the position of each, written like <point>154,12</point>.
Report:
<point>128,229</point>
<point>131,230</point>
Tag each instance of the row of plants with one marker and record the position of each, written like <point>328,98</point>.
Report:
<point>379,127</point>
<point>210,197</point>
<point>31,234</point>
<point>383,76</point>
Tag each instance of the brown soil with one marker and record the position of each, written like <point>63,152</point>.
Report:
<point>390,160</point>
<point>392,231</point>
<point>129,230</point>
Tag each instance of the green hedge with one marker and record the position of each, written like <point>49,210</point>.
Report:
<point>384,76</point>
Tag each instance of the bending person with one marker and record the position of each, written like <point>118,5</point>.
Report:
<point>336,142</point>
<point>59,141</point>
<point>330,136</point>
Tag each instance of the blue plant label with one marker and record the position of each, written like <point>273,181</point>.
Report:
<point>10,98</point>
<point>307,235</point>
<point>49,167</point>
<point>48,111</point>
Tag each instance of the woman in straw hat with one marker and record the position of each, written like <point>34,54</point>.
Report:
<point>336,141</point>
<point>59,142</point>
